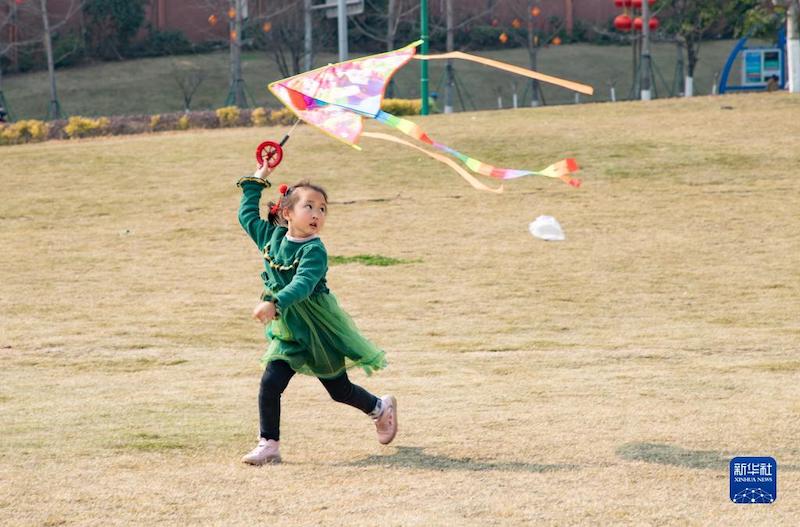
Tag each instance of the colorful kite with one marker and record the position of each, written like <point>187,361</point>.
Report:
<point>336,98</point>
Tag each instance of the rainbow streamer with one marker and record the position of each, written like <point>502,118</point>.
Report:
<point>561,170</point>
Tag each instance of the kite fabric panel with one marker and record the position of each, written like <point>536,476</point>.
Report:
<point>335,97</point>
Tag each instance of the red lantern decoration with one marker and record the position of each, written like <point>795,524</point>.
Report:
<point>627,3</point>
<point>503,38</point>
<point>623,23</point>
<point>637,23</point>
<point>536,11</point>
<point>638,3</point>
<point>654,23</point>
<point>619,3</point>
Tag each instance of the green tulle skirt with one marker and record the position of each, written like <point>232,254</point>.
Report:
<point>316,337</point>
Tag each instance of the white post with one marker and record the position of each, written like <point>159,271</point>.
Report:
<point>342,14</point>
<point>689,86</point>
<point>613,94</point>
<point>793,46</point>
<point>645,62</point>
<point>499,102</point>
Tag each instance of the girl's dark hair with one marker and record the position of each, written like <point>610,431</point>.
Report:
<point>289,199</point>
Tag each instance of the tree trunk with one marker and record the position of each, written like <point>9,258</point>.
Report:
<point>308,39</point>
<point>391,33</point>
<point>536,94</point>
<point>391,24</point>
<point>646,89</point>
<point>680,71</point>
<point>54,108</point>
<point>692,58</point>
<point>236,93</point>
<point>569,13</point>
<point>449,88</point>
<point>3,110</point>
<point>13,34</point>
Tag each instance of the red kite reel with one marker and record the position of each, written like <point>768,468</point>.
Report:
<point>271,152</point>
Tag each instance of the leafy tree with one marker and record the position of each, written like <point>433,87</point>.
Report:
<point>692,21</point>
<point>111,24</point>
<point>763,20</point>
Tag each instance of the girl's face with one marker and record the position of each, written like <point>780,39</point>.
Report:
<point>307,216</point>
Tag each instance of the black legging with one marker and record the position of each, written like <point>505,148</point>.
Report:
<point>275,379</point>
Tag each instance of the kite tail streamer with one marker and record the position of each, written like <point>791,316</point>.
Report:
<point>438,157</point>
<point>560,170</point>
<point>531,74</point>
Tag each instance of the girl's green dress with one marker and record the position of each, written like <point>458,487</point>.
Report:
<point>312,333</point>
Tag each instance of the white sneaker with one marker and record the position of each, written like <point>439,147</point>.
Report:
<point>267,451</point>
<point>386,423</point>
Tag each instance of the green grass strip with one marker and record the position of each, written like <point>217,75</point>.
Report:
<point>369,259</point>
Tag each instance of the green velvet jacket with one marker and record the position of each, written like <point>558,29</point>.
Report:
<point>293,270</point>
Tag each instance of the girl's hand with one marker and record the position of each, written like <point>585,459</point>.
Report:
<point>263,172</point>
<point>264,312</point>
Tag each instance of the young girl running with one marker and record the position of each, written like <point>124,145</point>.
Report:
<point>307,330</point>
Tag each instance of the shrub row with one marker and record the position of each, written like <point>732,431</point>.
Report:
<point>402,106</point>
<point>75,127</point>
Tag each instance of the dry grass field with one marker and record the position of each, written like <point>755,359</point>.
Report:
<point>607,379</point>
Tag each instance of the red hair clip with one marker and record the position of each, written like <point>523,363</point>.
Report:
<point>277,207</point>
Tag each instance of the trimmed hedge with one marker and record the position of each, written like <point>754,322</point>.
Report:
<point>77,127</point>
<point>402,106</point>
<point>29,131</point>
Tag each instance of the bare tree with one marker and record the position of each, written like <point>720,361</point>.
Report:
<point>381,20</point>
<point>54,107</point>
<point>285,39</point>
<point>278,26</point>
<point>5,22</point>
<point>188,77</point>
<point>30,24</point>
<point>235,12</point>
<point>537,34</point>
<point>236,94</point>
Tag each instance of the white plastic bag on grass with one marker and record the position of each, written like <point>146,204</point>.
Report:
<point>547,228</point>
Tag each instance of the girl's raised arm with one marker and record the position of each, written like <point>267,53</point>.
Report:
<point>250,218</point>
